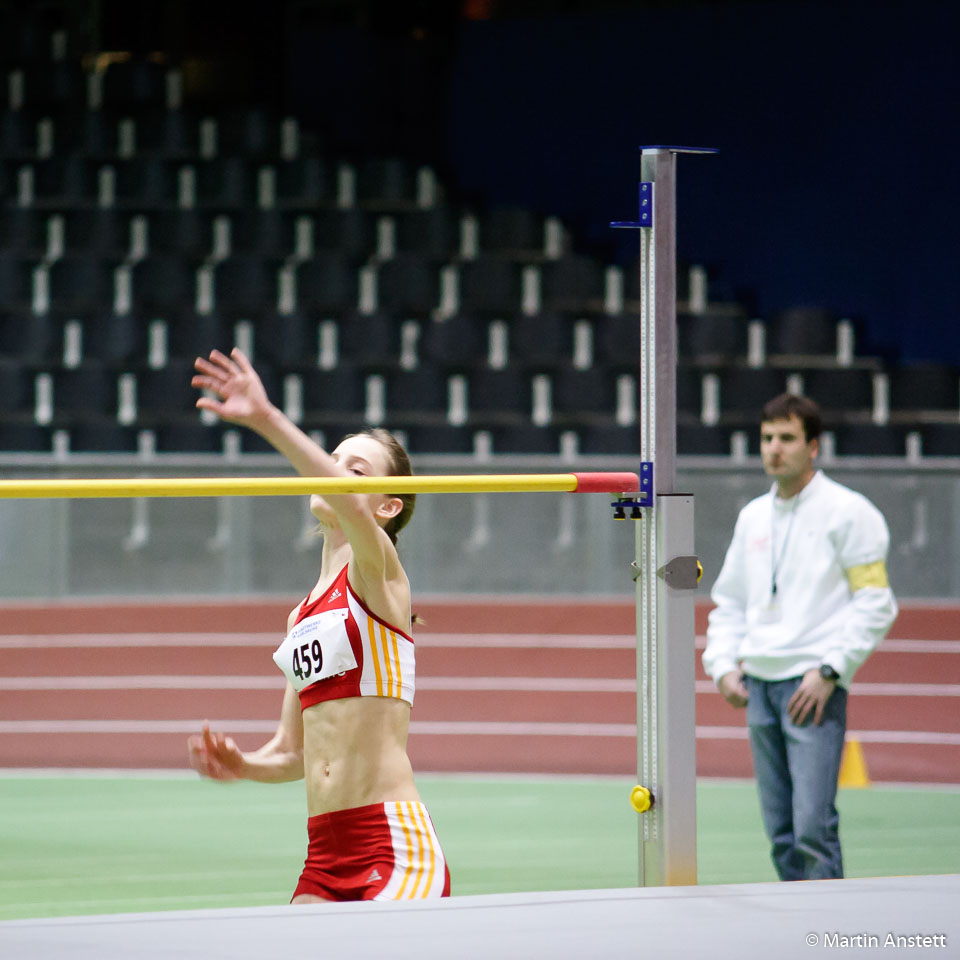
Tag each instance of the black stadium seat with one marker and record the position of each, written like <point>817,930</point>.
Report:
<point>584,394</point>
<point>369,340</point>
<point>940,439</point>
<point>433,233</point>
<point>23,231</point>
<point>191,334</point>
<point>25,438</point>
<point>166,394</point>
<point>499,395</point>
<point>224,183</point>
<point>115,339</point>
<point>245,284</point>
<point>29,339</point>
<point>188,435</point>
<point>870,440</point>
<point>105,232</point>
<point>16,391</point>
<point>543,341</point>
<point>326,282</point>
<point>802,331</point>
<point>925,388</point>
<point>183,233</point>
<point>134,83</point>
<point>704,441</point>
<point>16,281</point>
<point>386,184</point>
<point>442,438</point>
<point>421,392</point>
<point>608,438</point>
<point>304,182</point>
<point>525,439</point>
<point>349,232</point>
<point>490,286</point>
<point>164,284</point>
<point>287,340</point>
<point>744,391</point>
<point>572,283</point>
<point>408,285</point>
<point>87,392</point>
<point>511,231</point>
<point>844,392</point>
<point>79,284</point>
<point>456,342</point>
<point>711,338</point>
<point>103,437</point>
<point>333,395</point>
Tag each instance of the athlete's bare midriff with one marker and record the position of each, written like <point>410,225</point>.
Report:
<point>355,753</point>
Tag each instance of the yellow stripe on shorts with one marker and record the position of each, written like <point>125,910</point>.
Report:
<point>416,827</point>
<point>433,857</point>
<point>867,575</point>
<point>406,833</point>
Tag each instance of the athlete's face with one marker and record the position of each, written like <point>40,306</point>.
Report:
<point>361,456</point>
<point>786,453</point>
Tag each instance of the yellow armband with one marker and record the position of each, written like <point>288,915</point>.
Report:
<point>867,575</point>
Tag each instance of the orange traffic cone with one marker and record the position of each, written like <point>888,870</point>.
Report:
<point>853,768</point>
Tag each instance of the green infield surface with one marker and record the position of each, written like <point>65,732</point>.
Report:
<point>95,843</point>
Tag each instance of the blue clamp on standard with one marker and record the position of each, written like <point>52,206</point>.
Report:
<point>646,210</point>
<point>643,498</point>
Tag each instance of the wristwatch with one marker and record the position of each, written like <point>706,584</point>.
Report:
<point>828,673</point>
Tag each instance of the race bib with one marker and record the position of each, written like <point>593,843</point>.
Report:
<point>316,648</point>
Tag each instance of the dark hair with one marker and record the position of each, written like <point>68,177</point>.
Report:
<point>788,405</point>
<point>398,461</point>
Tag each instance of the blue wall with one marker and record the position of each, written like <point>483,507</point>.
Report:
<point>838,126</point>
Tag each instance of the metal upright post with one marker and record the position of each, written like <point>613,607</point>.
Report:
<point>666,570</point>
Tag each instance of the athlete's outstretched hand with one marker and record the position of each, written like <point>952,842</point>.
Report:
<point>243,399</point>
<point>215,755</point>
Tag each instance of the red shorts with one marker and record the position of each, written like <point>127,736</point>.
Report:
<point>384,851</point>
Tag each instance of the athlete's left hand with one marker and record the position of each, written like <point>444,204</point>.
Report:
<point>812,694</point>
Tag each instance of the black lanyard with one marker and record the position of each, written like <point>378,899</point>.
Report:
<point>774,559</point>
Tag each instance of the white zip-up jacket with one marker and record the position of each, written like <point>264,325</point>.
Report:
<point>826,550</point>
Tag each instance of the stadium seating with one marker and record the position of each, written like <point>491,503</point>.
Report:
<point>138,231</point>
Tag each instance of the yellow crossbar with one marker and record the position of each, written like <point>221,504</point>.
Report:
<point>299,486</point>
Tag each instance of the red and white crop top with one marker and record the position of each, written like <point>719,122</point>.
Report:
<point>337,648</point>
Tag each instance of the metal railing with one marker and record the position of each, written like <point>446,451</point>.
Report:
<point>462,543</point>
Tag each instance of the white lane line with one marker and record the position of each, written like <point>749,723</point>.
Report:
<point>467,684</point>
<point>146,682</point>
<point>531,641</point>
<point>920,737</point>
<point>445,728</point>
<point>875,689</point>
<point>901,645</point>
<point>522,641</point>
<point>157,682</point>
<point>138,640</point>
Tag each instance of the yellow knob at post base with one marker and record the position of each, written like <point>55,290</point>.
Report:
<point>640,799</point>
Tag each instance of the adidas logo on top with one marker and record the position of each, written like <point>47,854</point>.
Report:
<point>336,595</point>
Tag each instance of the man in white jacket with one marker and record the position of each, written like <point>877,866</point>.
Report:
<point>801,601</point>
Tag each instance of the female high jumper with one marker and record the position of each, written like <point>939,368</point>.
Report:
<point>348,658</point>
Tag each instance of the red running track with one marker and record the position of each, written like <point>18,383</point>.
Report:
<point>501,686</point>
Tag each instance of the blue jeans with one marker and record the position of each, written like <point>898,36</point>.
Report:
<point>797,769</point>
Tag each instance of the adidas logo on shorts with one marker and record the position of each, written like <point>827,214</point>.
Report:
<point>374,876</point>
